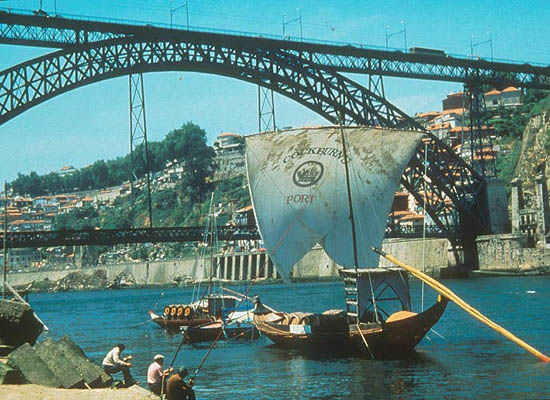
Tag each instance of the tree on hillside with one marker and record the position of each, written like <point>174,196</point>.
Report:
<point>189,145</point>
<point>28,184</point>
<point>80,218</point>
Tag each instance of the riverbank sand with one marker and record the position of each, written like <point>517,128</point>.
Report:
<point>25,392</point>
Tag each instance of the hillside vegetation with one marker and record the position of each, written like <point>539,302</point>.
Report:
<point>187,144</point>
<point>523,139</point>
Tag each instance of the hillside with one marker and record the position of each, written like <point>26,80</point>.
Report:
<point>524,140</point>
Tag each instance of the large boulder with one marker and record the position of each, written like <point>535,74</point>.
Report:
<point>32,368</point>
<point>18,324</point>
<point>93,375</point>
<point>64,368</point>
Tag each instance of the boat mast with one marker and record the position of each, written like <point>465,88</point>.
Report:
<point>211,216</point>
<point>353,234</point>
<point>5,265</point>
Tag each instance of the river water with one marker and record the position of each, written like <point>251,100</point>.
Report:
<point>462,359</point>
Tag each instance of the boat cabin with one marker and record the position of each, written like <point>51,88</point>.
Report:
<point>373,294</point>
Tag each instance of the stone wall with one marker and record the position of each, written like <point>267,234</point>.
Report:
<point>507,253</point>
<point>245,266</point>
<point>428,255</point>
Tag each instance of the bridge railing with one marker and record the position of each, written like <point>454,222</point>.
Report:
<point>130,22</point>
<point>172,234</point>
<point>122,236</point>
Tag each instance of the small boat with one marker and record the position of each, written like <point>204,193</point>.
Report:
<point>334,186</point>
<point>216,314</point>
<point>178,316</point>
<point>233,321</point>
<point>203,320</point>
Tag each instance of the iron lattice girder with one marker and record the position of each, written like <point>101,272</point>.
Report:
<point>120,236</point>
<point>448,179</point>
<point>420,66</point>
<point>65,32</point>
<point>324,91</point>
<point>46,31</point>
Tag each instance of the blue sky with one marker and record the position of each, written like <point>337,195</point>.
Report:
<point>91,123</point>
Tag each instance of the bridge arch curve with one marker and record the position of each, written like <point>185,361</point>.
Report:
<point>326,92</point>
<point>322,90</point>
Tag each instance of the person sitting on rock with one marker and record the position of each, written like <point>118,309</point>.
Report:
<point>113,363</point>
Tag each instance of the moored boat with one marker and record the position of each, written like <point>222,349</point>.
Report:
<point>232,322</point>
<point>334,187</point>
<point>377,335</point>
<point>199,313</point>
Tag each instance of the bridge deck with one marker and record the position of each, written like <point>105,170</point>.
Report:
<point>160,235</point>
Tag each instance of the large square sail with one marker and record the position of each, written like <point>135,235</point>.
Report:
<point>297,182</point>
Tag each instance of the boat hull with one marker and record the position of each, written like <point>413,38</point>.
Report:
<point>213,331</point>
<point>175,325</point>
<point>379,340</point>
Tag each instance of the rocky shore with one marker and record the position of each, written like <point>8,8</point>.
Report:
<point>79,280</point>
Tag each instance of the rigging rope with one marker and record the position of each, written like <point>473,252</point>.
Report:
<point>424,219</point>
<point>221,330</point>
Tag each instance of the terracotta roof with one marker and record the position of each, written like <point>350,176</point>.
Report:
<point>428,114</point>
<point>460,129</point>
<point>467,128</point>
<point>401,213</point>
<point>511,89</point>
<point>492,92</point>
<point>458,111</point>
<point>485,157</point>
<point>434,127</point>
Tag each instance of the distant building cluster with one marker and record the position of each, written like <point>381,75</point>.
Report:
<point>452,124</point>
<point>25,213</point>
<point>229,148</point>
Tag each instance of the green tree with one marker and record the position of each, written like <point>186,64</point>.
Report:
<point>189,144</point>
<point>85,217</point>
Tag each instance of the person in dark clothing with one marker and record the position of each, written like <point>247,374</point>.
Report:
<point>178,389</point>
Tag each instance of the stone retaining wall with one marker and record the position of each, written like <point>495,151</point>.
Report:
<point>508,253</point>
<point>245,266</point>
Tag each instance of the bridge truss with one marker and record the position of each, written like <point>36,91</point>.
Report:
<point>307,72</point>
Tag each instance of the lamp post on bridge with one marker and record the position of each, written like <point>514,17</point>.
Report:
<point>474,45</point>
<point>297,19</point>
<point>173,10</point>
<point>402,31</point>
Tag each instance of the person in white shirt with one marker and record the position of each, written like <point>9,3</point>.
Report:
<point>113,363</point>
<point>155,375</point>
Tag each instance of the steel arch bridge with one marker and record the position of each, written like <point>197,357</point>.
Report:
<point>322,90</point>
<point>291,72</point>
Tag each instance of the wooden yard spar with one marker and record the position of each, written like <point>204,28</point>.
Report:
<point>445,291</point>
